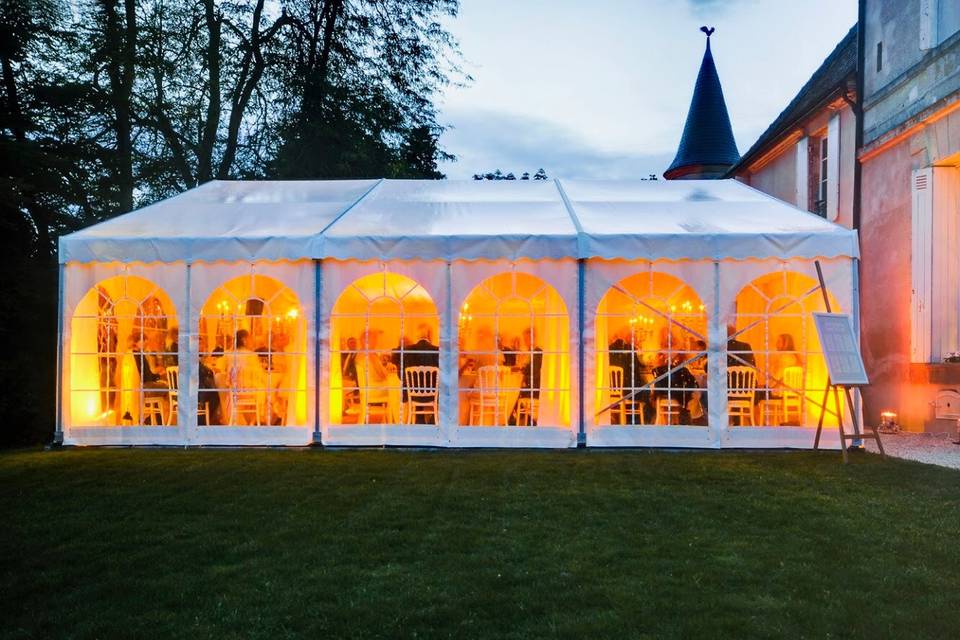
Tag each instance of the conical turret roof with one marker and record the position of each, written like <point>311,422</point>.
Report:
<point>707,148</point>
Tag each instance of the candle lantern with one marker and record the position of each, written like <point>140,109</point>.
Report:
<point>888,422</point>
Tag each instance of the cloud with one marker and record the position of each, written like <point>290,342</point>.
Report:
<point>711,7</point>
<point>485,140</point>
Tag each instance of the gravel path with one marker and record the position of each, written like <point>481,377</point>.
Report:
<point>932,448</point>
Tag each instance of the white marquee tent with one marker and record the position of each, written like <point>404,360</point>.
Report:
<point>449,313</point>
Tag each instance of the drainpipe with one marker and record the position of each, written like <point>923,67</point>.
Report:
<point>858,110</point>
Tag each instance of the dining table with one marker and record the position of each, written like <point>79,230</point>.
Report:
<point>508,393</point>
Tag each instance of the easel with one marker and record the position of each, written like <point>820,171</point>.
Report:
<point>858,433</point>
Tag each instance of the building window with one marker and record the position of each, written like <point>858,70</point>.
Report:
<point>935,269</point>
<point>822,180</point>
<point>879,57</point>
<point>817,176</point>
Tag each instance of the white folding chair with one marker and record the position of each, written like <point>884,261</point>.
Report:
<point>528,408</point>
<point>490,382</point>
<point>668,411</point>
<point>246,398</point>
<point>631,406</point>
<point>794,382</point>
<point>173,393</point>
<point>152,410</point>
<point>741,387</point>
<point>374,401</point>
<point>421,384</point>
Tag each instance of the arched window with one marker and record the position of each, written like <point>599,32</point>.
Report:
<point>773,334</point>
<point>124,338</point>
<point>253,343</point>
<point>651,344</point>
<point>384,358</point>
<point>514,365</point>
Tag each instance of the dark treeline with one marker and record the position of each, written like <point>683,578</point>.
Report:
<point>109,105</point>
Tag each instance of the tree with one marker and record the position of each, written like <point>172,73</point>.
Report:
<point>499,175</point>
<point>108,105</point>
<point>358,93</point>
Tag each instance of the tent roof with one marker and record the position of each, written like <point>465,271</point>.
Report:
<point>461,219</point>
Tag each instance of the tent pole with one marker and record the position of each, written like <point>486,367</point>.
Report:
<point>58,421</point>
<point>581,300</point>
<point>718,420</point>
<point>189,426</point>
<point>450,412</point>
<point>317,293</point>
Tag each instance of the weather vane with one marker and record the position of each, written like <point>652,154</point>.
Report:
<point>708,30</point>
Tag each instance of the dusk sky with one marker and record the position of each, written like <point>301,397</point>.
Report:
<point>601,88</point>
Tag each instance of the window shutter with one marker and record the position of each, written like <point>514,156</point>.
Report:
<point>945,271</point>
<point>802,177</point>
<point>921,188</point>
<point>833,167</point>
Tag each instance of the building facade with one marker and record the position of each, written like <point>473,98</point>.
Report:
<point>807,156</point>
<point>901,77</point>
<point>909,232</point>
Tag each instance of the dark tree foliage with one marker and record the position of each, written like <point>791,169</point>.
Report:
<point>108,105</point>
<point>499,175</point>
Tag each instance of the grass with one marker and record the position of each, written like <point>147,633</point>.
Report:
<point>515,544</point>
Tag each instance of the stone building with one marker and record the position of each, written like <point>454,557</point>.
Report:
<point>899,75</point>
<point>909,228</point>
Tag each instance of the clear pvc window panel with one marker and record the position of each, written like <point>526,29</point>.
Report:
<point>252,351</point>
<point>513,354</point>
<point>384,355</point>
<point>651,353</point>
<point>776,372</point>
<point>124,352</point>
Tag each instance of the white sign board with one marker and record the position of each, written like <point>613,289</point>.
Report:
<point>840,348</point>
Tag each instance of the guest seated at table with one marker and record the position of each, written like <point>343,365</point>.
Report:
<point>171,347</point>
<point>208,396</point>
<point>348,360</point>
<point>247,375</point>
<point>739,353</point>
<point>785,356</point>
<point>623,354</point>
<point>422,353</point>
<point>221,358</point>
<point>676,383</point>
<point>152,375</point>
<point>528,362</point>
<point>490,353</point>
<point>378,380</point>
<point>698,367</point>
<point>511,349</point>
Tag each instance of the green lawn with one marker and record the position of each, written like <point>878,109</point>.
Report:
<point>274,544</point>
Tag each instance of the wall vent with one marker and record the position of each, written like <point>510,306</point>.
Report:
<point>947,405</point>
